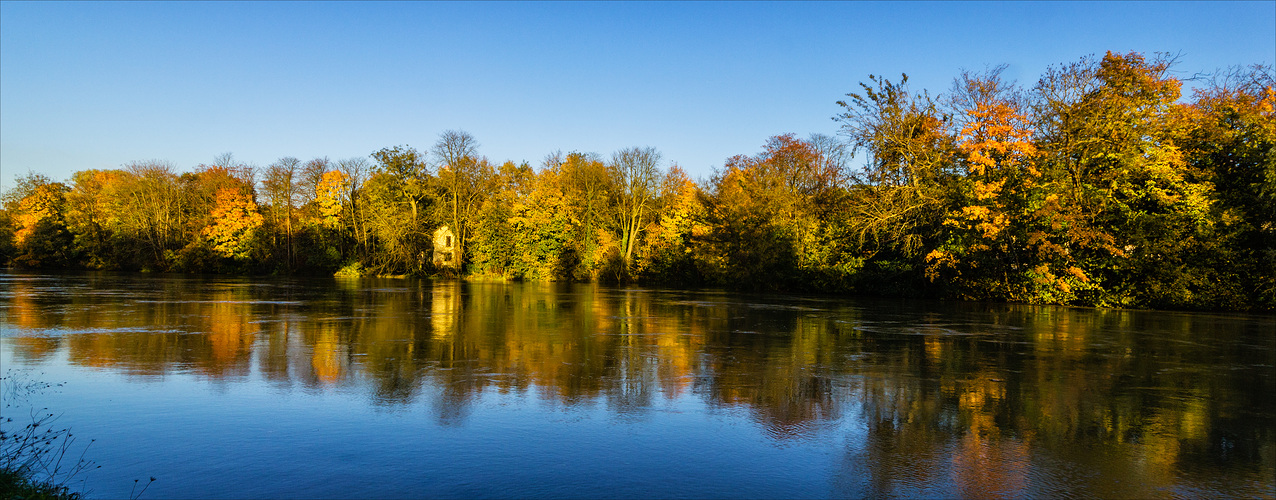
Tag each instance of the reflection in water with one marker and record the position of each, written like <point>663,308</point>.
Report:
<point>986,401</point>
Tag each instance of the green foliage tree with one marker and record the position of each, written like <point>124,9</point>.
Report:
<point>493,250</point>
<point>395,202</point>
<point>896,202</point>
<point>1228,139</point>
<point>408,174</point>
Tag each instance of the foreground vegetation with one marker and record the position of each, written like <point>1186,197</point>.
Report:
<point>15,485</point>
<point>1099,185</point>
<point>36,458</point>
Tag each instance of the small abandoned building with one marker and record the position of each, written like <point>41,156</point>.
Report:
<point>444,247</point>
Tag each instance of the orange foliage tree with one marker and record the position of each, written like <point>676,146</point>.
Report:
<point>993,249</point>
<point>235,221</point>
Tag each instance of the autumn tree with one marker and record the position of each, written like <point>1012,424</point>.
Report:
<point>1228,138</point>
<point>1097,186</point>
<point>202,185</point>
<point>408,175</point>
<point>282,187</point>
<point>247,172</point>
<point>583,180</point>
<point>355,171</point>
<point>1126,208</point>
<point>395,201</point>
<point>493,249</point>
<point>768,212</point>
<point>40,237</point>
<point>312,174</point>
<point>198,192</point>
<point>235,221</point>
<point>834,155</point>
<point>991,249</point>
<point>89,211</point>
<point>901,133</point>
<point>464,179</point>
<point>680,223</point>
<point>395,245</point>
<point>329,192</point>
<point>904,137</point>
<point>544,227</point>
<point>153,209</point>
<point>10,199</point>
<point>323,232</point>
<point>634,173</point>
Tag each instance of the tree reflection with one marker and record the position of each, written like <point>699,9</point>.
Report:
<point>966,395</point>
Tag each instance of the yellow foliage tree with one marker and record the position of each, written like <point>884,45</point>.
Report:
<point>44,203</point>
<point>235,219</point>
<point>328,198</point>
<point>667,249</point>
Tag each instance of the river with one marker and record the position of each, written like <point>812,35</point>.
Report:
<point>226,387</point>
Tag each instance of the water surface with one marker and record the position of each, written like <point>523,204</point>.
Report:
<point>368,388</point>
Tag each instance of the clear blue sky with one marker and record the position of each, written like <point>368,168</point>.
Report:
<point>98,85</point>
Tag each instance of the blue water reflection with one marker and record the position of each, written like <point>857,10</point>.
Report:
<point>323,388</point>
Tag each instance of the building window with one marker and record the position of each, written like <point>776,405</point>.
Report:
<point>447,241</point>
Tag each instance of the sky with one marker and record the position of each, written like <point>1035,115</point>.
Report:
<point>99,85</point>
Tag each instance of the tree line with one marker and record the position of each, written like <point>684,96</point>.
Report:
<point>1099,185</point>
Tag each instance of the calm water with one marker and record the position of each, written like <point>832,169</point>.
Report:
<point>290,388</point>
